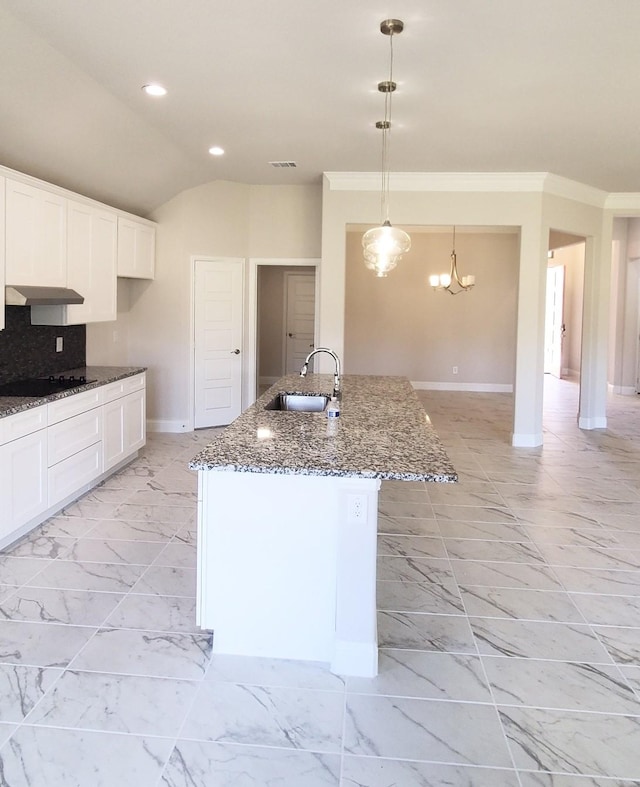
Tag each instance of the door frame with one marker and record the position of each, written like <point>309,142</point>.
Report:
<point>195,258</point>
<point>250,372</point>
<point>285,303</point>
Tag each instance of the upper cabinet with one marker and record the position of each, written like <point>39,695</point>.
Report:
<point>36,236</point>
<point>92,235</point>
<point>1,247</point>
<point>136,249</point>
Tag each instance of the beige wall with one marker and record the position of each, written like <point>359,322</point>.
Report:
<point>624,356</point>
<point>218,219</point>
<point>572,257</point>
<point>400,325</point>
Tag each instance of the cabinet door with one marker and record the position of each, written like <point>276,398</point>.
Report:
<point>135,421</point>
<point>23,480</point>
<point>36,236</point>
<point>113,433</point>
<point>2,265</point>
<point>91,263</point>
<point>136,249</point>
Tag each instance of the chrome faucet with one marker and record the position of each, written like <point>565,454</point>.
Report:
<point>336,374</point>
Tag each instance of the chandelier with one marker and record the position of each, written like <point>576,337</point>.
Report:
<point>452,282</point>
<point>384,245</point>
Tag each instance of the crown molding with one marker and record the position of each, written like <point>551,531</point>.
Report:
<point>623,201</point>
<point>527,182</point>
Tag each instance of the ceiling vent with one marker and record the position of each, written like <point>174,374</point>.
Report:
<point>283,164</point>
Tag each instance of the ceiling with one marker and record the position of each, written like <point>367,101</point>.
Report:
<point>500,85</point>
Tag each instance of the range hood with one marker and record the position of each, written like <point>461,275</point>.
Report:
<point>17,295</point>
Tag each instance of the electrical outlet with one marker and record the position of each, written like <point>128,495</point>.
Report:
<point>59,343</point>
<point>356,509</point>
<point>455,370</point>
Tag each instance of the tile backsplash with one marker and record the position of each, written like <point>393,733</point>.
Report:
<point>30,350</point>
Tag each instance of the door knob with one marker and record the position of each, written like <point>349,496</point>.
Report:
<point>235,352</point>
<point>290,335</point>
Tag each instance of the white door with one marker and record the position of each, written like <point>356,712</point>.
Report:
<point>300,299</point>
<point>218,299</point>
<point>554,321</point>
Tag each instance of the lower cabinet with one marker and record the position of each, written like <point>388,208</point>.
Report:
<point>23,480</point>
<point>52,453</point>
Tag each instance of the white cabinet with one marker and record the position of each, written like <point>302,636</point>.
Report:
<point>2,266</point>
<point>36,236</point>
<point>136,249</point>
<point>124,419</point>
<point>23,469</point>
<point>91,268</point>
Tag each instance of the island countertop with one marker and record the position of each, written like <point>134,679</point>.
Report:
<point>383,432</point>
<point>99,375</point>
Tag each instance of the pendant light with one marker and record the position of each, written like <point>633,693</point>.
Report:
<point>384,245</point>
<point>451,280</point>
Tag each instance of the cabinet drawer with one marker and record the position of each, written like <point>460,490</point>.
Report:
<point>68,477</point>
<point>73,435</point>
<point>14,426</point>
<point>73,405</point>
<point>123,387</point>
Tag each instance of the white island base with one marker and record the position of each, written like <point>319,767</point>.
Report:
<point>287,567</point>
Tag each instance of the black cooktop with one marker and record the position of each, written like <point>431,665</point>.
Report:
<point>42,386</point>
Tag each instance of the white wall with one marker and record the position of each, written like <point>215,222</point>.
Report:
<point>625,317</point>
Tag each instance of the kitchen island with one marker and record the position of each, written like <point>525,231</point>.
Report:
<point>287,519</point>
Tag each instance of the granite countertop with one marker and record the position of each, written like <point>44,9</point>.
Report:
<point>10,405</point>
<point>382,432</point>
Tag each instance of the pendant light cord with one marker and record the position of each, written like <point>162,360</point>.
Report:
<point>386,138</point>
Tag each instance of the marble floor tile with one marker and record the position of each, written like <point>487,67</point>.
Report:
<point>18,570</point>
<point>174,515</point>
<point>49,757</point>
<point>573,742</point>
<point>49,605</point>
<point>505,575</point>
<point>528,779</point>
<point>41,644</point>
<point>377,772</point>
<point>410,546</point>
<point>609,610</point>
<point>632,676</point>
<point>21,688</point>
<point>478,494</point>
<point>590,557</point>
<point>518,603</point>
<point>156,497</point>
<point>599,580</point>
<point>116,703</point>
<point>406,510</point>
<point>124,530</point>
<point>73,575</point>
<point>87,509</point>
<point>204,764</point>
<point>538,640</point>
<point>48,547</point>
<point>414,569</point>
<point>284,673</point>
<point>555,684</point>
<point>155,613</point>
<point>167,581</point>
<point>434,597</point>
<point>95,550</point>
<point>482,531</point>
<point>417,729</point>
<point>61,525</point>
<point>177,554</point>
<point>152,653</point>
<point>409,673</point>
<point>495,551</point>
<point>267,716</point>
<point>495,514</point>
<point>425,632</point>
<point>407,526</point>
<point>545,516</point>
<point>573,536</point>
<point>623,644</point>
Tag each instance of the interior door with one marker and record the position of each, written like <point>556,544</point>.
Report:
<point>218,317</point>
<point>554,321</point>
<point>300,298</point>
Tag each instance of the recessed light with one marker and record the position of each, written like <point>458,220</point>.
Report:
<point>154,90</point>
<point>216,151</point>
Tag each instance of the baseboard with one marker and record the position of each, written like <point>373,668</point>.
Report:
<point>600,422</point>
<point>526,440</point>
<point>474,387</point>
<point>159,425</point>
<point>622,390</point>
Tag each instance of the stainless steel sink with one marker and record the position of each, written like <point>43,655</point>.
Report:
<point>298,402</point>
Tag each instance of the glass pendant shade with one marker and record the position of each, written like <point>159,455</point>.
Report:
<point>382,264</point>
<point>386,240</point>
